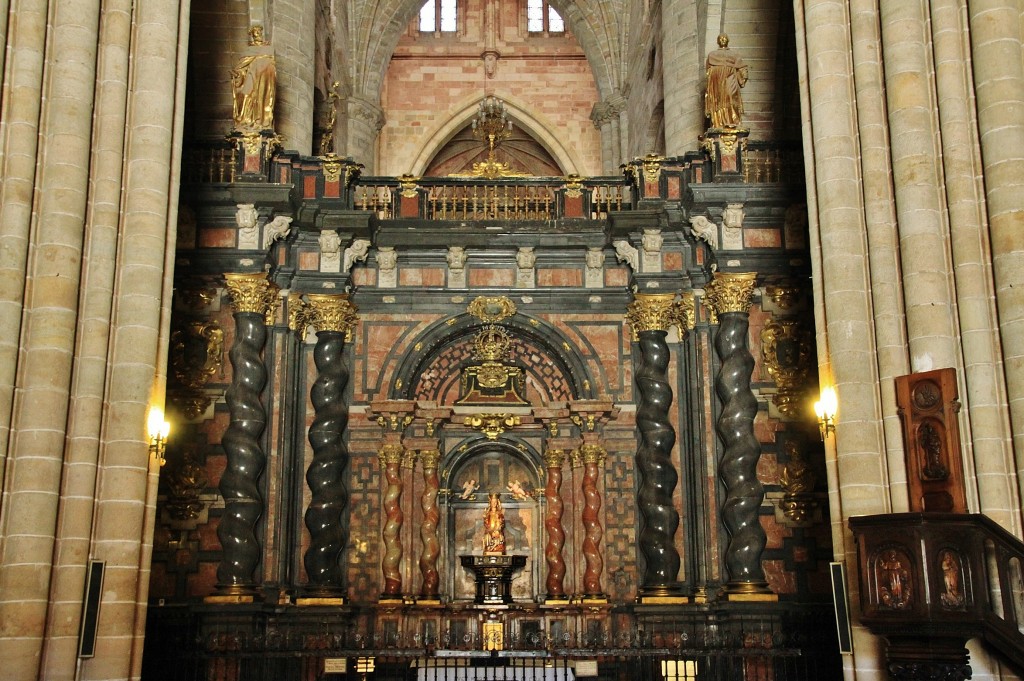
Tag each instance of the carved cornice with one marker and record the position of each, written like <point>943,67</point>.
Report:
<point>730,292</point>
<point>653,312</point>
<point>252,293</point>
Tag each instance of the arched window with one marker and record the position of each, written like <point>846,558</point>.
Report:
<point>439,16</point>
<point>542,18</point>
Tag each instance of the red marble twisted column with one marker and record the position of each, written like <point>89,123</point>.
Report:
<point>593,457</point>
<point>391,459</point>
<point>428,528</point>
<point>554,458</point>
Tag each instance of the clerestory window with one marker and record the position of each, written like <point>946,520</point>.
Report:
<point>541,17</point>
<point>439,16</point>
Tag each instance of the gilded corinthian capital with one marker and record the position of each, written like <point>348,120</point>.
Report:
<point>730,292</point>
<point>252,293</point>
<point>391,454</point>
<point>331,313</point>
<point>653,312</point>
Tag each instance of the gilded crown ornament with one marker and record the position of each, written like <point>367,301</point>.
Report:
<point>492,344</point>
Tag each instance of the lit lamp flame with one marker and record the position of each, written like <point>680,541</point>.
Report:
<point>825,409</point>
<point>158,430</point>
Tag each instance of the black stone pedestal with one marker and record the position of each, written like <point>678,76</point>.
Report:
<point>493,576</point>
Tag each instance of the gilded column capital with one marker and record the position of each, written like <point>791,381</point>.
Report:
<point>554,458</point>
<point>409,459</point>
<point>429,458</point>
<point>593,454</point>
<point>652,312</point>
<point>332,313</point>
<point>730,292</point>
<point>252,293</point>
<point>391,454</point>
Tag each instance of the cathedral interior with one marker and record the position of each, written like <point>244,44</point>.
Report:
<point>501,339</point>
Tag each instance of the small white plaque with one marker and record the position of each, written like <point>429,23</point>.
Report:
<point>335,665</point>
<point>586,667</point>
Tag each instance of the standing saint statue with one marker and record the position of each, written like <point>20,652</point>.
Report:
<point>726,74</point>
<point>254,84</point>
<point>494,526</point>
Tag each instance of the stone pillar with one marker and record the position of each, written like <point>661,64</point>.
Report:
<point>985,396</point>
<point>729,295</point>
<point>43,230</point>
<point>682,73</point>
<point>650,316</point>
<point>999,88</point>
<point>883,250</point>
<point>393,417</point>
<point>294,24</point>
<point>252,297</point>
<point>333,317</point>
<point>930,316</point>
<point>365,120</point>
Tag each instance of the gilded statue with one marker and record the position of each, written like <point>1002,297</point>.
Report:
<point>494,526</point>
<point>254,84</point>
<point>726,74</point>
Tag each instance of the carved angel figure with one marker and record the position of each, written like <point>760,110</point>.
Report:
<point>468,488</point>
<point>515,488</point>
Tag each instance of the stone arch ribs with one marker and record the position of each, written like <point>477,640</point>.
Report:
<point>378,24</point>
<point>567,158</point>
<point>566,366</point>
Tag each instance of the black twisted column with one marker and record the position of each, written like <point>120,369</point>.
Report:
<point>650,316</point>
<point>729,295</point>
<point>253,298</point>
<point>333,317</point>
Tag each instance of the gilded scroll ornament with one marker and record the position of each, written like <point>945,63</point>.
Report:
<point>653,312</point>
<point>197,352</point>
<point>252,293</point>
<point>332,168</point>
<point>573,186</point>
<point>797,481</point>
<point>492,425</point>
<point>185,482</point>
<point>730,292</point>
<point>786,352</point>
<point>491,309</point>
<point>652,167</point>
<point>785,296</point>
<point>408,186</point>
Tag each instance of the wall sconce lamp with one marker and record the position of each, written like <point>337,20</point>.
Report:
<point>158,430</point>
<point>825,409</point>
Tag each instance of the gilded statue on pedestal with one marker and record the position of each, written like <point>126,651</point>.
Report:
<point>494,526</point>
<point>726,74</point>
<point>254,84</point>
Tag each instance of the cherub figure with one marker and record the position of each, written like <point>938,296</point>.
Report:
<point>468,488</point>
<point>515,488</point>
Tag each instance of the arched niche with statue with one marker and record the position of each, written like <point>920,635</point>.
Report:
<point>473,471</point>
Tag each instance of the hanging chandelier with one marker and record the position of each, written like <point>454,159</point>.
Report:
<point>491,124</point>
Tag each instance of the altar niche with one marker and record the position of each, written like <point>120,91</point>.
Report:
<point>493,468</point>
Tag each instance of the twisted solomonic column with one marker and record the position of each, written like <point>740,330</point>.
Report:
<point>554,459</point>
<point>391,455</point>
<point>333,317</point>
<point>428,528</point>
<point>729,295</point>
<point>253,298</point>
<point>593,457</point>
<point>650,316</point>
